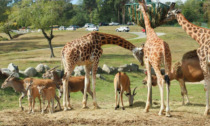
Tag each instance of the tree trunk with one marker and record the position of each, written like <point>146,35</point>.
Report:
<point>118,15</point>
<point>49,39</point>
<point>8,33</point>
<point>123,15</point>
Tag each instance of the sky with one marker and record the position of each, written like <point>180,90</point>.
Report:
<point>163,1</point>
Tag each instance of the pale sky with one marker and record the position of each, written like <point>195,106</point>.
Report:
<point>163,1</point>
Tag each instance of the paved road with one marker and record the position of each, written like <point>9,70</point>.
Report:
<point>143,35</point>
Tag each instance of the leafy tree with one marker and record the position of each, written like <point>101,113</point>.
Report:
<point>40,14</point>
<point>206,8</point>
<point>5,24</point>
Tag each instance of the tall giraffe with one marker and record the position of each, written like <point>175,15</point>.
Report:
<point>202,36</point>
<point>156,51</point>
<point>87,51</point>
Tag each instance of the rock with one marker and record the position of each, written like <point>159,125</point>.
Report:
<point>79,71</point>
<point>106,69</point>
<point>40,68</point>
<point>30,72</point>
<point>46,67</point>
<point>141,71</point>
<point>100,77</point>
<point>114,69</point>
<point>7,72</point>
<point>13,68</point>
<point>99,70</point>
<point>134,67</point>
<point>124,68</point>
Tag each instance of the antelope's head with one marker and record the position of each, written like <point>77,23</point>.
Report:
<point>131,96</point>
<point>8,82</point>
<point>49,74</point>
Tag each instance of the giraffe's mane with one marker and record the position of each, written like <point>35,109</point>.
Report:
<point>192,23</point>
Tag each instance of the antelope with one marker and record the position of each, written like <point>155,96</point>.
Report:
<point>47,94</point>
<point>121,84</point>
<point>32,93</point>
<point>186,70</point>
<point>75,84</point>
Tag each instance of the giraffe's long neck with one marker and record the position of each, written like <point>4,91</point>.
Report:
<point>150,31</point>
<point>113,39</point>
<point>192,30</point>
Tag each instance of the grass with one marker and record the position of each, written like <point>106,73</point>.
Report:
<point>178,40</point>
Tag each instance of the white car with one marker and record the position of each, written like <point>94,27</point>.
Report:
<point>92,28</point>
<point>113,23</point>
<point>70,28</point>
<point>88,25</point>
<point>123,29</point>
<point>62,28</point>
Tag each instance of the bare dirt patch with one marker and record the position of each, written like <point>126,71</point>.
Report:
<point>104,116</point>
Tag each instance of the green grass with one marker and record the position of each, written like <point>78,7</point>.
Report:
<point>177,39</point>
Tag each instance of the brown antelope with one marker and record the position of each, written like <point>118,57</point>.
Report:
<point>75,84</point>
<point>121,84</point>
<point>47,94</point>
<point>32,93</point>
<point>187,70</point>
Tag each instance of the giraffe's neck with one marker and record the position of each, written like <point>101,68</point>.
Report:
<point>150,31</point>
<point>113,39</point>
<point>192,30</point>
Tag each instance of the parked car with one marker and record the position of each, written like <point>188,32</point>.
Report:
<point>88,25</point>
<point>62,28</point>
<point>123,29</point>
<point>92,28</point>
<point>103,24</point>
<point>113,23</point>
<point>75,26</point>
<point>70,28</point>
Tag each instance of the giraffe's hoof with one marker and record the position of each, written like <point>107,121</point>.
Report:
<point>206,112</point>
<point>85,107</point>
<point>123,108</point>
<point>146,110</point>
<point>97,107</point>
<point>22,109</point>
<point>160,113</point>
<point>115,108</point>
<point>168,114</point>
<point>65,109</point>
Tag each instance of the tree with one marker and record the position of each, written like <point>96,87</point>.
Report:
<point>206,8</point>
<point>5,24</point>
<point>40,14</point>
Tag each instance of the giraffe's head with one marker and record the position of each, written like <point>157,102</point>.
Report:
<point>172,12</point>
<point>138,53</point>
<point>143,5</point>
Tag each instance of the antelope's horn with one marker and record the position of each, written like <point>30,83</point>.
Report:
<point>53,68</point>
<point>134,91</point>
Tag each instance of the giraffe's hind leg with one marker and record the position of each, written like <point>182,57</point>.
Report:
<point>206,88</point>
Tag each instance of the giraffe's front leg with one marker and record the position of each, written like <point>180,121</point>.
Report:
<point>206,88</point>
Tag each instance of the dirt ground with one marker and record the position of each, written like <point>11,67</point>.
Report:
<point>104,116</point>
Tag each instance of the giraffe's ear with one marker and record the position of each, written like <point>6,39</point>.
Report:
<point>172,6</point>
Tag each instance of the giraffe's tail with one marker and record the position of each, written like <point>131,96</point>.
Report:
<point>167,63</point>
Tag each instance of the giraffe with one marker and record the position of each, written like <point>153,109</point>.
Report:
<point>202,36</point>
<point>156,51</point>
<point>87,51</point>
